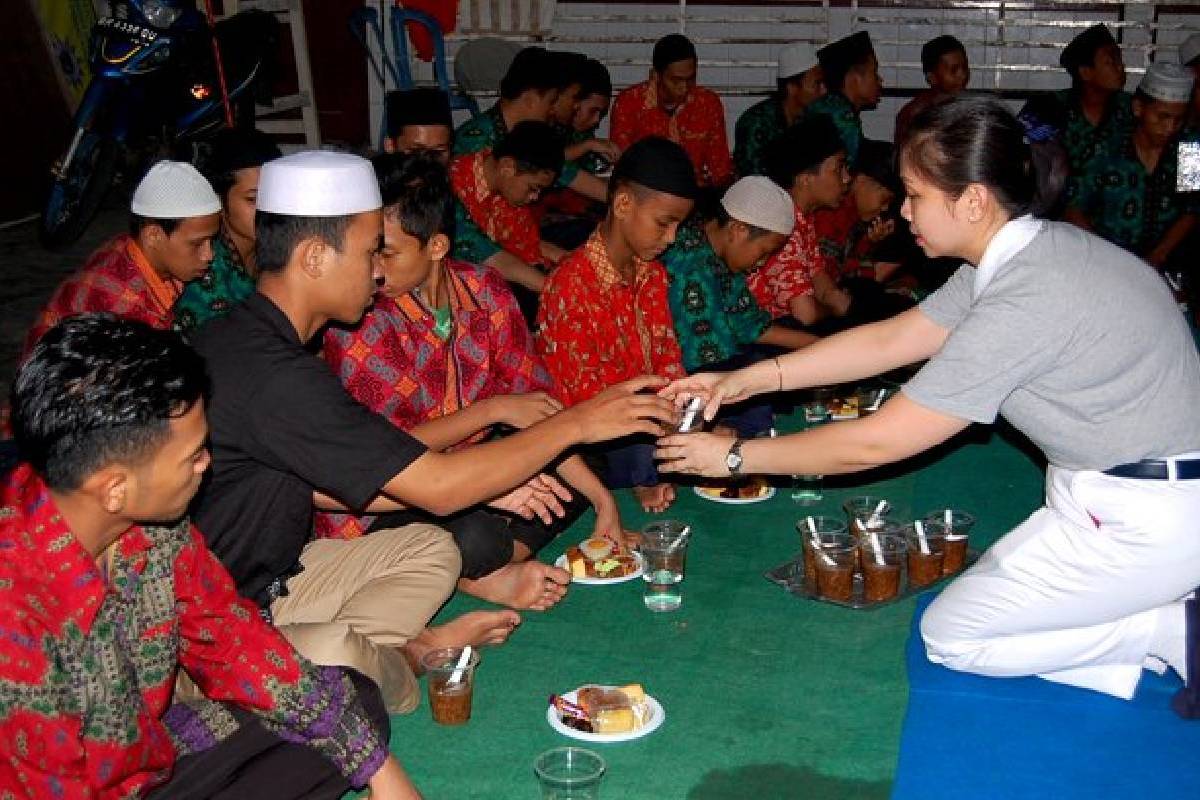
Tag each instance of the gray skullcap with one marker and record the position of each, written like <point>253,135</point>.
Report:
<point>1189,51</point>
<point>174,190</point>
<point>795,60</point>
<point>757,200</point>
<point>1168,82</point>
<point>318,183</point>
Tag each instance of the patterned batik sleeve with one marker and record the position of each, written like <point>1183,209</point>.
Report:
<point>751,320</point>
<point>623,125</point>
<point>234,656</point>
<point>666,357</point>
<point>518,369</point>
<point>470,242</point>
<point>567,339</point>
<point>720,162</point>
<point>750,136</point>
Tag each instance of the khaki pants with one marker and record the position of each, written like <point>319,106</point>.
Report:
<point>358,601</point>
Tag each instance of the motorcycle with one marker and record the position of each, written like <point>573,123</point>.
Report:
<point>155,90</point>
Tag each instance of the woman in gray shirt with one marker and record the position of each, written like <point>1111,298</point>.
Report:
<point>1081,347</point>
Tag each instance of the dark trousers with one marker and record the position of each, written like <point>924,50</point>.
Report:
<point>255,763</point>
<point>486,538</point>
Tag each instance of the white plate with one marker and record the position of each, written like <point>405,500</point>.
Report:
<point>561,563</point>
<point>735,501</point>
<point>657,717</point>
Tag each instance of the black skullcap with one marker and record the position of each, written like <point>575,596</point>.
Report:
<point>658,164</point>
<point>671,48</point>
<point>838,58</point>
<point>877,160</point>
<point>1081,52</point>
<point>426,105</point>
<point>802,148</point>
<point>532,145</point>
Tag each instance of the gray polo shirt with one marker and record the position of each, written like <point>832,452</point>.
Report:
<point>1079,344</point>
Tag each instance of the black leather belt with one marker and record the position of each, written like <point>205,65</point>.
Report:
<point>1156,469</point>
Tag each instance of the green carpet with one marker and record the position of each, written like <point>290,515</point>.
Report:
<point>766,695</point>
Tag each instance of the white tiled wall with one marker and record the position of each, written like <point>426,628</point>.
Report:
<point>1011,49</point>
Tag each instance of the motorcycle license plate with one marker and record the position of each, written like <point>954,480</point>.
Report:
<point>137,32</point>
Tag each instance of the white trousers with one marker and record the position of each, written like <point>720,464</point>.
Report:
<point>1073,593</point>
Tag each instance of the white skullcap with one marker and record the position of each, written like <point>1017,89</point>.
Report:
<point>174,190</point>
<point>757,200</point>
<point>1189,51</point>
<point>1170,83</point>
<point>796,59</point>
<point>318,183</point>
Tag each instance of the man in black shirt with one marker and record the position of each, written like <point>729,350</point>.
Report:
<point>285,435</point>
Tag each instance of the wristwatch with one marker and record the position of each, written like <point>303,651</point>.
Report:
<point>733,460</point>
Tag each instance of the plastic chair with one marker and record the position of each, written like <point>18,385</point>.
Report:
<point>400,16</point>
<point>364,21</point>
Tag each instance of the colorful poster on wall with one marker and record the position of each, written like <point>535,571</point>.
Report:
<point>67,24</point>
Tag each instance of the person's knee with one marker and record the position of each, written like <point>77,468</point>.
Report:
<point>944,636</point>
<point>371,699</point>
<point>485,544</point>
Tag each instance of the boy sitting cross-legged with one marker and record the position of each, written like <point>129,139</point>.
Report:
<point>604,315</point>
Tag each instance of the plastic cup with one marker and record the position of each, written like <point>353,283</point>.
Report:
<point>450,700</point>
<point>664,556</point>
<point>835,571</point>
<point>870,400</point>
<point>816,408</point>
<point>882,557</point>
<point>569,773</point>
<point>925,568</point>
<point>861,513</point>
<point>807,490</point>
<point>957,525</point>
<point>829,531</point>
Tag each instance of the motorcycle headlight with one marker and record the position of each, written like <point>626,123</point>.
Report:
<point>159,14</point>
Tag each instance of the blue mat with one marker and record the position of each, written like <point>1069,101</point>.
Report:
<point>966,736</point>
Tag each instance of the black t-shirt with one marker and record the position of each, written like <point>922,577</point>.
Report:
<point>280,426</point>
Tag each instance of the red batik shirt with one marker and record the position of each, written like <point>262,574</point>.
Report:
<point>514,228</point>
<point>790,272</point>
<point>698,125</point>
<point>396,365</point>
<point>116,278</point>
<point>88,665</point>
<point>843,241</point>
<point>595,329</point>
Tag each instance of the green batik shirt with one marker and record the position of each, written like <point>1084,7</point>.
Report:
<point>845,118</point>
<point>221,289</point>
<point>715,314</point>
<point>757,127</point>
<point>1127,205</point>
<point>484,130</point>
<point>470,242</point>
<point>1084,141</point>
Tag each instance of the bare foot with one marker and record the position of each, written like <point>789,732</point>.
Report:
<point>529,585</point>
<point>655,499</point>
<point>475,628</point>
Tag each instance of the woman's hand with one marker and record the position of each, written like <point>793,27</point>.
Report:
<point>694,454</point>
<point>714,388</point>
<point>521,410</point>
